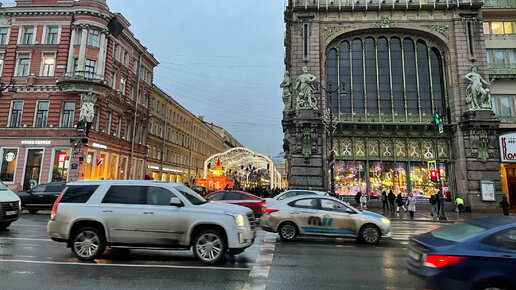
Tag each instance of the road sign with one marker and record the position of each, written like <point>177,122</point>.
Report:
<point>432,165</point>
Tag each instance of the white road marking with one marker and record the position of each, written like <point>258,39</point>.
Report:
<point>125,265</point>
<point>26,239</point>
<point>260,272</point>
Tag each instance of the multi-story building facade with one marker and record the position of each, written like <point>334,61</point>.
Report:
<point>229,140</point>
<point>499,20</point>
<point>386,67</point>
<point>178,141</point>
<point>71,61</point>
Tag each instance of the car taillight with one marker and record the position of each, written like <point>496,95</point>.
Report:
<point>262,203</point>
<point>54,208</point>
<point>442,261</point>
<point>269,210</point>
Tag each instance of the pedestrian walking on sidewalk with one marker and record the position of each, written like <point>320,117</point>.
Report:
<point>438,197</point>
<point>400,203</point>
<point>357,197</point>
<point>460,204</point>
<point>504,204</point>
<point>411,204</point>
<point>391,197</point>
<point>363,202</point>
<point>384,200</point>
<point>433,202</point>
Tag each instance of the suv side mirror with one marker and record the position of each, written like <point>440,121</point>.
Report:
<point>175,201</point>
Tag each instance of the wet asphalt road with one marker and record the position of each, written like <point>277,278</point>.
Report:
<point>30,260</point>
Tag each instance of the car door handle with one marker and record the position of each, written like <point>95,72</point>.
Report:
<point>148,212</point>
<point>107,211</point>
<point>296,212</point>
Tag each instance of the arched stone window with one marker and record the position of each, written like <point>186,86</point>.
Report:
<point>387,78</point>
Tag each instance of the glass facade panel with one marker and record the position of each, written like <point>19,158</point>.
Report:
<point>437,86</point>
<point>386,176</point>
<point>384,76</point>
<point>497,27</point>
<point>424,78</point>
<point>9,158</point>
<point>358,77</point>
<point>410,76</point>
<point>509,28</point>
<point>506,103</point>
<point>420,180</point>
<point>331,69</point>
<point>397,78</point>
<point>32,168</point>
<point>370,74</point>
<point>345,77</point>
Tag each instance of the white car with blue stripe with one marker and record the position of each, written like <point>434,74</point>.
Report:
<point>322,216</point>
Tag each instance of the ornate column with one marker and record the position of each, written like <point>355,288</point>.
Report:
<point>69,65</point>
<point>81,62</point>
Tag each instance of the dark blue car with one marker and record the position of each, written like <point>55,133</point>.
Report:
<point>478,254</point>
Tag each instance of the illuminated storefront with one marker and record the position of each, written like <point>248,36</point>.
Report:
<point>508,166</point>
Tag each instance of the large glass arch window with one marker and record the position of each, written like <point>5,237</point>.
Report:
<point>387,79</point>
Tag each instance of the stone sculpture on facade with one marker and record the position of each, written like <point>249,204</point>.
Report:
<point>477,97</point>
<point>483,149</point>
<point>87,112</point>
<point>286,85</point>
<point>306,144</point>
<point>305,91</point>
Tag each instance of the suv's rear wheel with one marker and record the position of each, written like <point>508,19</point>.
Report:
<point>209,246</point>
<point>88,243</point>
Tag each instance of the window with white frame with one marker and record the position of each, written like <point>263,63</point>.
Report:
<point>108,122</point>
<point>138,96</point>
<point>116,52</point>
<point>118,126</point>
<point>145,100</point>
<point>125,59</point>
<point>96,119</point>
<point>132,92</point>
<point>89,68</point>
<point>49,65</point>
<point>41,114</point>
<point>67,114</point>
<point>501,58</point>
<point>505,27</point>
<point>135,66</point>
<point>128,130</point>
<point>23,66</point>
<point>504,106</point>
<point>78,37</point>
<point>16,114</point>
<point>52,33</point>
<point>4,35</point>
<point>122,85</point>
<point>93,37</point>
<point>28,33</point>
<point>1,64</point>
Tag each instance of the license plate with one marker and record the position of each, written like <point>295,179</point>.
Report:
<point>414,255</point>
<point>11,212</point>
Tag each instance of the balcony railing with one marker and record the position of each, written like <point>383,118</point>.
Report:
<point>372,4</point>
<point>500,4</point>
<point>503,70</point>
<point>83,76</point>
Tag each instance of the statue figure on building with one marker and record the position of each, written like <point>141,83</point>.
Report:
<point>477,97</point>
<point>87,111</point>
<point>305,91</point>
<point>483,147</point>
<point>286,85</point>
<point>306,144</point>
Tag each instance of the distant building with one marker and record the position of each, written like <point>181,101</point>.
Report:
<point>229,140</point>
<point>71,60</point>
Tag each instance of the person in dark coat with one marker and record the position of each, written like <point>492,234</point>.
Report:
<point>504,204</point>
<point>400,203</point>
<point>438,197</point>
<point>391,197</point>
<point>433,202</point>
<point>358,196</point>
<point>384,200</point>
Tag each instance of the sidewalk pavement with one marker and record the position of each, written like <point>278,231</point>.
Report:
<point>425,216</point>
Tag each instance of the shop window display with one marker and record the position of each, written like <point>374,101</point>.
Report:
<point>422,186</point>
<point>61,165</point>
<point>349,177</point>
<point>386,176</point>
<point>8,165</point>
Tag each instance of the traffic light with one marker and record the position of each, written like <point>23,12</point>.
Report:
<point>439,123</point>
<point>437,119</point>
<point>433,175</point>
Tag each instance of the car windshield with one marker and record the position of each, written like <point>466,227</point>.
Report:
<point>458,233</point>
<point>191,195</point>
<point>2,186</point>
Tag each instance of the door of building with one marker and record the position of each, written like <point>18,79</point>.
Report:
<point>32,168</point>
<point>511,184</point>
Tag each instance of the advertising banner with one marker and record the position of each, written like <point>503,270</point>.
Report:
<point>508,148</point>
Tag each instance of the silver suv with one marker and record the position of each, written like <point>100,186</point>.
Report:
<point>90,215</point>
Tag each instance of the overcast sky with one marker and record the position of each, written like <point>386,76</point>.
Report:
<point>219,59</point>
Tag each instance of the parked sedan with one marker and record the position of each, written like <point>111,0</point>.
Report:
<point>322,216</point>
<point>292,193</point>
<point>238,198</point>
<point>41,197</point>
<point>478,254</point>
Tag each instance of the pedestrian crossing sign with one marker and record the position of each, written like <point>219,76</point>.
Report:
<point>431,165</point>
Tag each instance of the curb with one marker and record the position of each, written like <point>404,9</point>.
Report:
<point>425,220</point>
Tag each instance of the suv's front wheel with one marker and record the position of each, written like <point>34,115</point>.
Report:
<point>88,243</point>
<point>209,246</point>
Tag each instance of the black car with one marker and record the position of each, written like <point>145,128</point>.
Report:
<point>41,197</point>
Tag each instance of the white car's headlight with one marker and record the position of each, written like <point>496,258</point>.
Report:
<point>386,221</point>
<point>240,220</point>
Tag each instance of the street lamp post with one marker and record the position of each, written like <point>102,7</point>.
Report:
<point>330,127</point>
<point>442,214</point>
